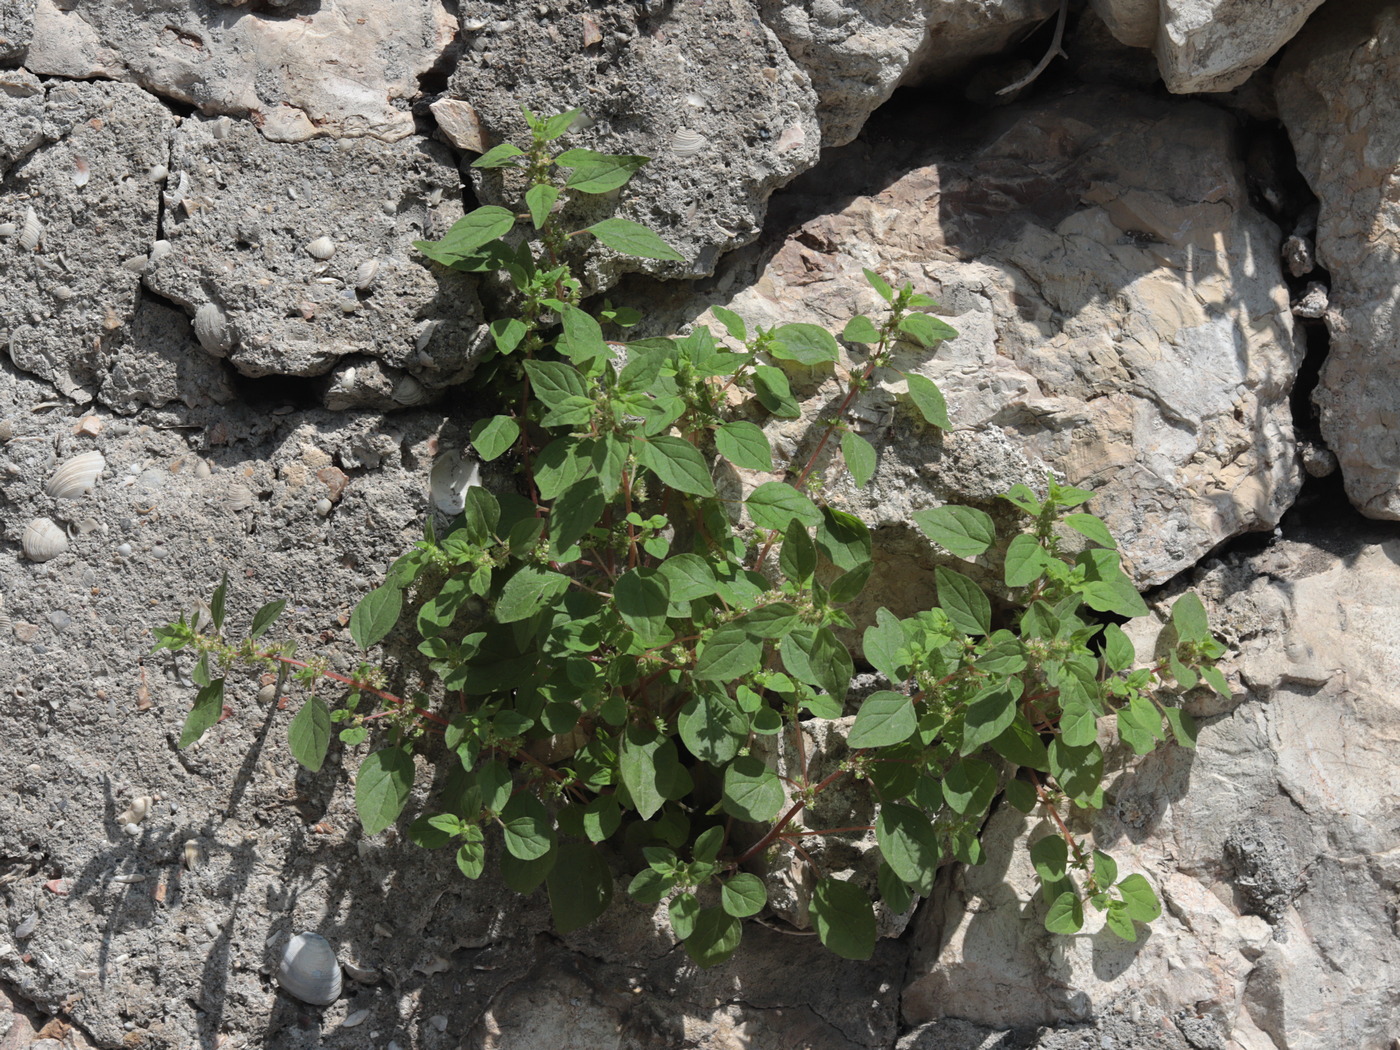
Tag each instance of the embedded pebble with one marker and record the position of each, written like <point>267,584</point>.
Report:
<point>323,506</point>
<point>27,927</point>
<point>124,550</point>
<point>134,830</point>
<point>438,1021</point>
<point>61,620</point>
<point>357,1018</point>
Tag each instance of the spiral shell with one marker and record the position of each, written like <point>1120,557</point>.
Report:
<point>211,328</point>
<point>43,540</point>
<point>321,248</point>
<point>31,233</point>
<point>366,274</point>
<point>687,142</point>
<point>309,970</point>
<point>77,476</point>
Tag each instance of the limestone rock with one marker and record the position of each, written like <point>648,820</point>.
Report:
<point>247,211</point>
<point>340,70</point>
<point>1122,312</point>
<point>1271,844</point>
<point>21,116</point>
<point>16,27</point>
<point>858,53</point>
<point>1337,98</point>
<point>1214,45</point>
<point>66,306</point>
<point>707,92</point>
<point>1133,22</point>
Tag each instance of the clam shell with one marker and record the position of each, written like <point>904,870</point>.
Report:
<point>211,328</point>
<point>309,970</point>
<point>687,142</point>
<point>366,273</point>
<point>43,540</point>
<point>139,809</point>
<point>321,248</point>
<point>451,476</point>
<point>77,476</point>
<point>82,171</point>
<point>408,391</point>
<point>31,233</point>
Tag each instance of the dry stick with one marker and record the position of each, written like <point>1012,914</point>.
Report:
<point>1049,56</point>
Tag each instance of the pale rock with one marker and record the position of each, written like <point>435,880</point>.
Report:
<point>344,70</point>
<point>21,116</point>
<point>1215,45</point>
<point>1337,98</point>
<point>1122,316</point>
<point>716,72</point>
<point>1271,845</point>
<point>858,53</point>
<point>66,310</point>
<point>1132,22</point>
<point>16,28</point>
<point>461,123</point>
<point>237,241</point>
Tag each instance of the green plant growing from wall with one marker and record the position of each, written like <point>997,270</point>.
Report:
<point>613,650</point>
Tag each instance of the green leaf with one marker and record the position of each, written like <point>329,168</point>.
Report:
<point>583,340</point>
<point>632,238</point>
<point>493,437</point>
<point>435,831</point>
<point>688,576</point>
<point>1050,855</point>
<point>929,401</point>
<point>897,896</point>
<point>207,710</point>
<point>1079,723</point>
<point>1119,921</point>
<point>637,763</point>
<point>528,832</point>
<point>729,653</point>
<point>743,895</point>
<point>733,323</point>
<point>553,382</point>
<point>683,911</point>
<point>775,503</point>
<point>989,716</point>
<point>963,531</point>
<point>878,283</point>
<point>309,735</point>
<point>926,330</point>
<point>1066,914</point>
<point>713,937</point>
<point>468,234</point>
<point>884,646</point>
<point>752,791</point>
<point>642,597</point>
<point>860,457</point>
<point>1215,678</point>
<point>1021,744</point>
<point>885,718</point>
<point>713,728</point>
<point>528,591</point>
<point>843,538</point>
<point>771,387</point>
<point>525,876</point>
<point>847,587</point>
<point>1024,498</point>
<point>1093,527</point>
<point>264,617</point>
<point>600,172</point>
<point>1118,651</point>
<point>844,918</point>
<point>1026,560</point>
<point>498,156</point>
<point>1141,901</point>
<point>580,886</point>
<point>1182,725</point>
<point>909,844</point>
<point>798,556</point>
<point>471,855</point>
<point>649,886</point>
<point>573,514</point>
<point>744,445</point>
<point>374,617</point>
<point>382,786</point>
<point>968,787</point>
<point>540,199</point>
<point>677,463</point>
<point>967,607</point>
<point>860,329</point>
<point>1189,618</point>
<point>1105,869</point>
<point>1078,770</point>
<point>807,344</point>
<point>216,603</point>
<point>1021,795</point>
<point>556,126</point>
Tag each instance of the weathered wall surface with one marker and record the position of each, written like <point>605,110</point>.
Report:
<point>1131,287</point>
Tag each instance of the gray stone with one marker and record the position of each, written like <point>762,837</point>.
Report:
<point>1133,22</point>
<point>16,27</point>
<point>1215,45</point>
<point>1336,97</point>
<point>21,116</point>
<point>707,92</point>
<point>341,70</point>
<point>67,307</point>
<point>239,235</point>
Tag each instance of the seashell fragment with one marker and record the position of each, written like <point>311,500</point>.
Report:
<point>31,233</point>
<point>408,391</point>
<point>27,927</point>
<point>193,854</point>
<point>452,475</point>
<point>77,476</point>
<point>8,229</point>
<point>687,142</point>
<point>366,273</point>
<point>321,248</point>
<point>359,1017</point>
<point>82,171</point>
<point>157,173</point>
<point>139,809</point>
<point>129,880</point>
<point>361,974</point>
<point>43,540</point>
<point>211,328</point>
<point>309,971</point>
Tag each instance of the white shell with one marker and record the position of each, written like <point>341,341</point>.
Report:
<point>321,248</point>
<point>160,249</point>
<point>212,330</point>
<point>193,854</point>
<point>309,971</point>
<point>139,809</point>
<point>686,142</point>
<point>157,173</point>
<point>31,233</point>
<point>8,229</point>
<point>449,480</point>
<point>408,391</point>
<point>77,476</point>
<point>82,171</point>
<point>43,540</point>
<point>175,197</point>
<point>366,273</point>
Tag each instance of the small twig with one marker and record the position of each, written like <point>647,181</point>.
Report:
<point>1044,63</point>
